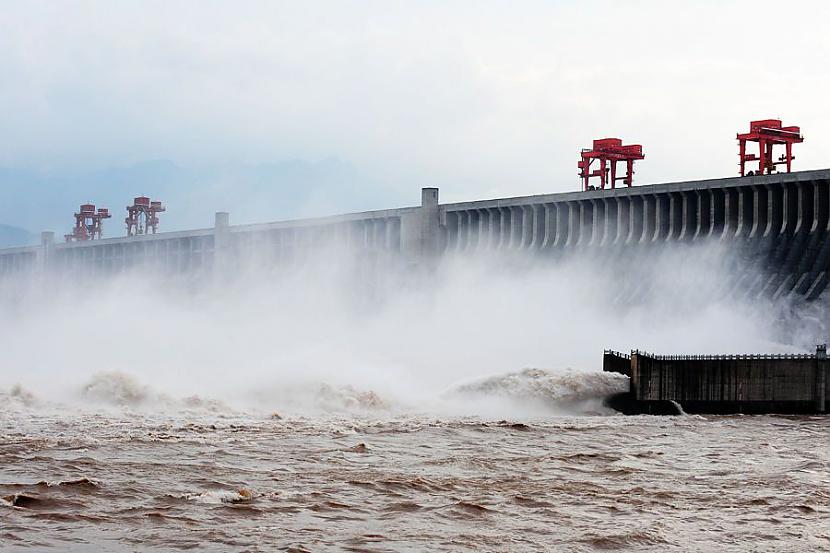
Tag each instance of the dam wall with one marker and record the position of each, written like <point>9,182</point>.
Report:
<point>776,226</point>
<point>726,383</point>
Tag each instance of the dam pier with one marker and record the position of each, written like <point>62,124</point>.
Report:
<point>722,384</point>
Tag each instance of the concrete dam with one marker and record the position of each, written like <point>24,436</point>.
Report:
<point>775,225</point>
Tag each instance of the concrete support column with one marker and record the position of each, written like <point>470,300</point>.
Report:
<point>716,211</point>
<point>430,222</point>
<point>821,378</point>
<point>516,227</point>
<point>453,228</point>
<point>777,209</point>
<point>586,222</point>
<point>746,212</point>
<point>44,255</point>
<point>221,241</point>
<point>731,213</point>
<point>649,218</point>
<point>707,211</point>
<point>636,367</point>
<point>537,235</point>
<point>675,215</point>
<point>528,222</point>
<point>495,229</point>
<point>759,211</point>
<point>474,229</point>
<point>483,229</point>
<point>488,223</point>
<point>610,222</point>
<point>421,227</point>
<point>789,206</point>
<point>690,222</point>
<point>598,221</point>
<point>635,224</point>
<point>562,226</point>
<point>463,232</point>
<point>550,225</point>
<point>623,219</point>
<point>800,206</point>
<point>573,224</point>
<point>661,220</point>
<point>503,231</point>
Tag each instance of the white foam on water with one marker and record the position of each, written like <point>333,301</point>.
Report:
<point>218,497</point>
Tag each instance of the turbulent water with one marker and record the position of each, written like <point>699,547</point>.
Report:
<point>126,468</point>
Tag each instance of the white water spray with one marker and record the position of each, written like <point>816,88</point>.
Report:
<point>331,334</point>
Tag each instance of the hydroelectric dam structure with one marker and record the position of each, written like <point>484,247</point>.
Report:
<point>777,224</point>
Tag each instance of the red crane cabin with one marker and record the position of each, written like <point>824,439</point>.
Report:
<point>88,223</point>
<point>768,133</point>
<point>609,151</point>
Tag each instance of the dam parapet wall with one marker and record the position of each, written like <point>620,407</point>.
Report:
<point>776,227</point>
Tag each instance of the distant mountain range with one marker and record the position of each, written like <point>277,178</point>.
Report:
<point>251,193</point>
<point>15,236</point>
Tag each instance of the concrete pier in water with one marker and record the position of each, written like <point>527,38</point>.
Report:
<point>723,383</point>
<point>777,225</point>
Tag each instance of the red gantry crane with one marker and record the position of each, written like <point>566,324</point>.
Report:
<point>142,216</point>
<point>88,223</point>
<point>767,133</point>
<point>608,151</point>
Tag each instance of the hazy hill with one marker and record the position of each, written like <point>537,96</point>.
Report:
<point>15,236</point>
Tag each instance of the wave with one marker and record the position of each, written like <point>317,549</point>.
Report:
<point>80,483</point>
<point>48,494</point>
<point>115,388</point>
<point>566,391</point>
<point>347,398</point>
<point>634,539</point>
<point>21,501</point>
<point>529,392</point>
<point>18,396</point>
<point>218,497</point>
<point>119,389</point>
<point>318,398</point>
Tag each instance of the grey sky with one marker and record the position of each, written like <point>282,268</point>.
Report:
<point>480,98</point>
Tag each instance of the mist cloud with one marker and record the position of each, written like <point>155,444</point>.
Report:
<point>270,334</point>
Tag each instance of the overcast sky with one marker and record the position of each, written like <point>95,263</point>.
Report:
<point>480,98</point>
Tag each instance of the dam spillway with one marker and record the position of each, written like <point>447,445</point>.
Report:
<point>775,225</point>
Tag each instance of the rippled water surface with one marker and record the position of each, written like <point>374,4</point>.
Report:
<point>123,480</point>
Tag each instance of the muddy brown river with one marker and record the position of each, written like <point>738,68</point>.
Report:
<point>202,477</point>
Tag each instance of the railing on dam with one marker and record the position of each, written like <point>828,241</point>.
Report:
<point>718,357</point>
<point>777,225</point>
